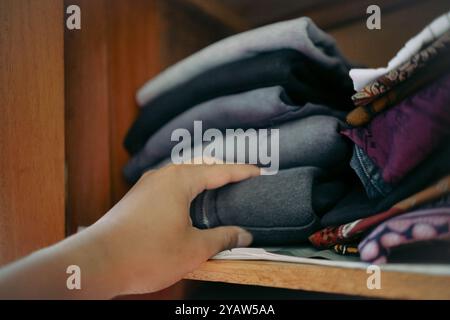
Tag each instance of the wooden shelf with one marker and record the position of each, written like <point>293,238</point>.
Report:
<point>240,15</point>
<point>394,284</point>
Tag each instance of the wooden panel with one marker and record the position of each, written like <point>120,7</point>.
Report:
<point>246,14</point>
<point>116,50</point>
<point>344,12</point>
<point>87,115</point>
<point>323,279</point>
<point>268,10</point>
<point>377,47</point>
<point>145,36</point>
<point>120,46</point>
<point>134,36</point>
<point>222,12</point>
<point>31,126</point>
<point>188,30</point>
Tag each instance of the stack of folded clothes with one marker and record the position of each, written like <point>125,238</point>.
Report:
<point>401,130</point>
<point>349,178</point>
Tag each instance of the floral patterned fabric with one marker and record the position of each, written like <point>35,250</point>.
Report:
<point>362,115</point>
<point>352,231</point>
<point>402,137</point>
<point>421,59</point>
<point>414,227</point>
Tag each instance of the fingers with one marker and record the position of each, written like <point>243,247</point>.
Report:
<point>224,238</point>
<point>205,177</point>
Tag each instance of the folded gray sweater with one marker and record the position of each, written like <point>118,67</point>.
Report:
<point>280,209</point>
<point>260,108</point>
<point>312,141</point>
<point>299,34</point>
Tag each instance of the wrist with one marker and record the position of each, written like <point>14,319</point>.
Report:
<point>90,251</point>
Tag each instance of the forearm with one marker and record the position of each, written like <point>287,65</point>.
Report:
<point>145,243</point>
<point>42,275</point>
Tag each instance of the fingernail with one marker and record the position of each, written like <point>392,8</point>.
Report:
<point>244,239</point>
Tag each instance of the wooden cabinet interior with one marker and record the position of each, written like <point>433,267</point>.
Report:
<point>31,126</point>
<point>124,43</point>
<point>67,97</point>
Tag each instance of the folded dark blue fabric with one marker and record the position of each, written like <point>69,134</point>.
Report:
<point>303,79</point>
<point>312,141</point>
<point>356,204</point>
<point>300,34</point>
<point>259,108</point>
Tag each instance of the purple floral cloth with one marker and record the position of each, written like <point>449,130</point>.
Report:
<point>400,138</point>
<point>413,227</point>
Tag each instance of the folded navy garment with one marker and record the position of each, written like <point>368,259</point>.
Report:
<point>299,34</point>
<point>303,80</point>
<point>433,251</point>
<point>279,209</point>
<point>312,141</point>
<point>370,175</point>
<point>259,108</point>
<point>356,204</point>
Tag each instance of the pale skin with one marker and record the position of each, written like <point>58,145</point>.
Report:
<point>145,243</point>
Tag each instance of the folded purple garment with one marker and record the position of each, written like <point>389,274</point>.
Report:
<point>400,138</point>
<point>414,227</point>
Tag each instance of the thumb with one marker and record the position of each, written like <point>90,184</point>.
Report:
<point>223,238</point>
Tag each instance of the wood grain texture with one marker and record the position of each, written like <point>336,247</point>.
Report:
<point>266,11</point>
<point>240,15</point>
<point>344,12</point>
<point>121,45</point>
<point>31,126</point>
<point>221,12</point>
<point>116,50</point>
<point>188,30</point>
<point>135,30</point>
<point>145,36</point>
<point>323,279</point>
<point>87,115</point>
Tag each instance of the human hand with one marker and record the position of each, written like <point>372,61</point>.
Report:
<point>145,243</point>
<point>149,234</point>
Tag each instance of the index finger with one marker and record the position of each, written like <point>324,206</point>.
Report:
<point>205,177</point>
